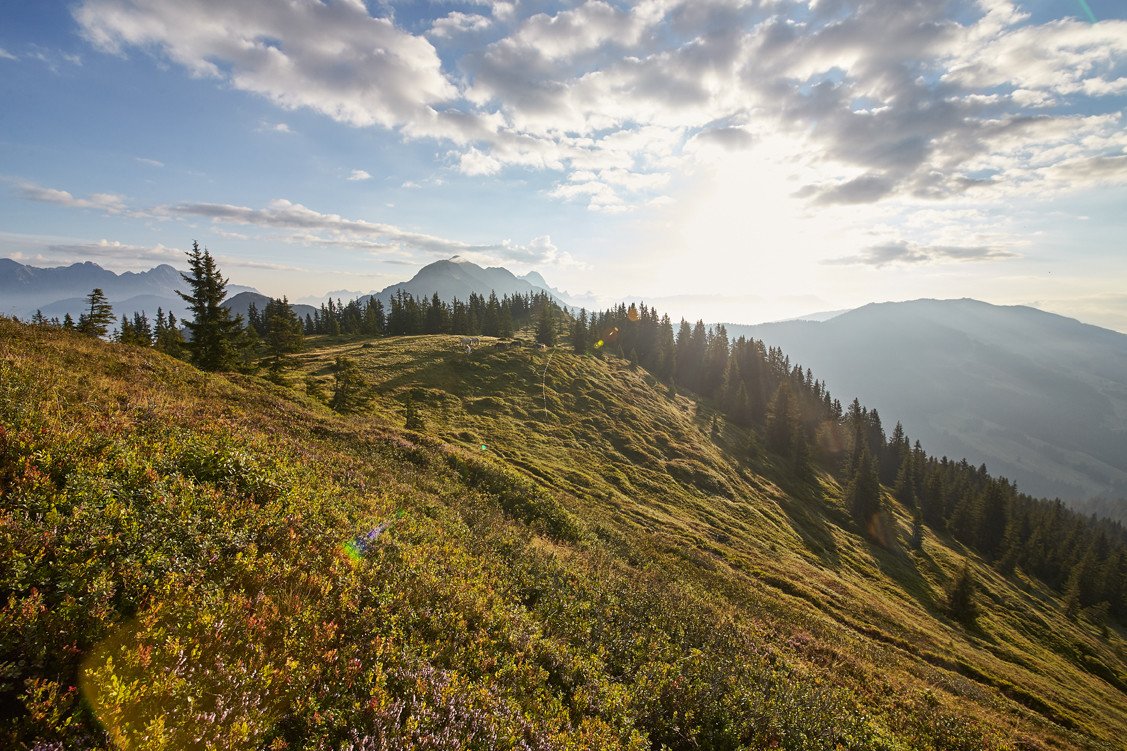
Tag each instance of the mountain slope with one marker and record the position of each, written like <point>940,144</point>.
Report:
<point>565,559</point>
<point>1040,398</point>
<point>240,305</point>
<point>457,278</point>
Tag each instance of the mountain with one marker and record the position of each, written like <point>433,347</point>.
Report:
<point>240,304</point>
<point>1040,398</point>
<point>566,554</point>
<point>457,278</point>
<point>575,301</point>
<point>61,290</point>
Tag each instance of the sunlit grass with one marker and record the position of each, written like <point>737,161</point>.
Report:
<point>570,560</point>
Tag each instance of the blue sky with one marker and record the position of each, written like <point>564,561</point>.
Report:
<point>733,160</point>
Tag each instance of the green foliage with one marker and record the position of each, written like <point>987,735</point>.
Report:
<point>961,603</point>
<point>864,496</point>
<point>282,331</point>
<point>190,562</point>
<point>215,337</point>
<point>546,326</point>
<point>413,419</point>
<point>98,316</point>
<point>350,392</point>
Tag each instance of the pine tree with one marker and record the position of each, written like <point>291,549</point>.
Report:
<point>863,495</point>
<point>579,333</point>
<point>96,321</point>
<point>168,338</point>
<point>214,334</point>
<point>546,326</point>
<point>782,422</point>
<point>960,598</point>
<point>348,387</point>
<point>282,331</point>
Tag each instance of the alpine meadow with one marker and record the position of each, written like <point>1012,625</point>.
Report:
<point>439,538</point>
<point>563,375</point>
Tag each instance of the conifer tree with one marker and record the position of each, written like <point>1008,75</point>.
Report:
<point>167,336</point>
<point>960,598</point>
<point>348,387</point>
<point>579,333</point>
<point>782,422</point>
<point>546,327</point>
<point>214,334</point>
<point>863,495</point>
<point>99,315</point>
<point>282,331</point>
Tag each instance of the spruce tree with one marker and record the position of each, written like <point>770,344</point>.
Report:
<point>579,333</point>
<point>214,334</point>
<point>546,326</point>
<point>99,315</point>
<point>960,598</point>
<point>863,495</point>
<point>348,387</point>
<point>282,331</point>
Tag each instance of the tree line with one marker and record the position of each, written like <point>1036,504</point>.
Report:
<point>406,314</point>
<point>791,415</point>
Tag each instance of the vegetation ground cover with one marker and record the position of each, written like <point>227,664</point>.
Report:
<point>573,558</point>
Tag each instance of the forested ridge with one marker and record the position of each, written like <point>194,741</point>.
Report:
<point>634,538</point>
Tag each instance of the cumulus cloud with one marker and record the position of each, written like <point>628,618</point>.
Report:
<point>906,253</point>
<point>331,57</point>
<point>358,174</point>
<point>456,23</point>
<point>921,101</point>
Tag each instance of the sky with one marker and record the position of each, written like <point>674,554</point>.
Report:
<point>737,161</point>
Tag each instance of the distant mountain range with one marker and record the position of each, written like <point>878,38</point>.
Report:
<point>1040,398</point>
<point>58,291</point>
<point>61,290</point>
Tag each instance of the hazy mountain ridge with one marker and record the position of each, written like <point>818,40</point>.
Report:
<point>1037,397</point>
<point>458,278</point>
<point>57,291</point>
<point>240,305</point>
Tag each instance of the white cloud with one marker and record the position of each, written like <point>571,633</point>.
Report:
<point>305,226</point>
<point>358,174</point>
<point>111,203</point>
<point>275,128</point>
<point>5,55</point>
<point>149,162</point>
<point>332,57</point>
<point>111,254</point>
<point>903,252</point>
<point>456,23</point>
<point>928,103</point>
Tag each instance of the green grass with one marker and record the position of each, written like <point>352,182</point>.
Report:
<point>603,573</point>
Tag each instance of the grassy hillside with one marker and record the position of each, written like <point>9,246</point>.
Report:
<point>567,557</point>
